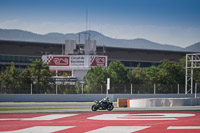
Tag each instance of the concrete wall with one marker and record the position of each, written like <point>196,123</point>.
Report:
<point>163,102</point>
<point>81,97</point>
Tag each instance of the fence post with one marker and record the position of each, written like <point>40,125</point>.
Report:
<point>131,89</point>
<point>82,89</point>
<point>5,90</point>
<point>178,88</point>
<point>56,89</point>
<point>154,86</point>
<point>31,88</point>
<point>195,90</point>
<point>101,89</point>
<point>125,88</point>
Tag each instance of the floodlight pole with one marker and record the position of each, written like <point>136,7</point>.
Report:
<point>186,73</point>
<point>192,73</point>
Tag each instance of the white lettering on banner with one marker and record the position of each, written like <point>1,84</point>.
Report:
<point>78,61</point>
<point>119,129</point>
<point>145,116</point>
<point>39,129</point>
<point>46,117</point>
<point>184,127</point>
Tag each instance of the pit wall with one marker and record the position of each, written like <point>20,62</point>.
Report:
<point>82,97</point>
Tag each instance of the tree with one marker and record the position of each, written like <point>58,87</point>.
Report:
<point>40,75</point>
<point>117,73</point>
<point>171,72</point>
<point>197,75</point>
<point>94,78</point>
<point>26,77</point>
<point>169,75</point>
<point>153,74</point>
<point>11,79</point>
<point>137,75</point>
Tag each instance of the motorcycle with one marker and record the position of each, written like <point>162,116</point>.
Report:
<point>99,105</point>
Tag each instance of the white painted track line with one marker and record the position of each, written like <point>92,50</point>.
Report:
<point>119,129</point>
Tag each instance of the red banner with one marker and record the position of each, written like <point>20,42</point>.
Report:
<point>97,61</point>
<point>59,61</point>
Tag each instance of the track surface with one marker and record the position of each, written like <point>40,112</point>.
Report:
<point>80,107</point>
<point>101,122</point>
<point>45,104</point>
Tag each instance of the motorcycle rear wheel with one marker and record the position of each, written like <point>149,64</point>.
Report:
<point>110,107</point>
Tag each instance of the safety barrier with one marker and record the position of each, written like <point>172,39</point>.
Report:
<point>82,97</point>
<point>162,102</point>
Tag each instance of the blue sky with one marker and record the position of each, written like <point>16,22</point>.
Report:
<point>175,22</point>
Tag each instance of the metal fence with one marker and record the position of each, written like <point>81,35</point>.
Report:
<point>100,89</point>
<point>141,89</point>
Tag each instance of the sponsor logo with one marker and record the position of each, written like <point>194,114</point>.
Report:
<point>59,61</point>
<point>97,61</point>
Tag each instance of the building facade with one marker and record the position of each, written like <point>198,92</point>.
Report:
<point>23,53</point>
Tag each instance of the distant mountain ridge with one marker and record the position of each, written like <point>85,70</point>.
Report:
<point>194,47</point>
<point>139,43</point>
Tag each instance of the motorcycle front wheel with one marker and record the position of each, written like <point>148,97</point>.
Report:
<point>110,107</point>
<point>94,108</point>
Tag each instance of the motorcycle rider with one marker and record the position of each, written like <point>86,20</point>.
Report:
<point>103,104</point>
<point>104,101</point>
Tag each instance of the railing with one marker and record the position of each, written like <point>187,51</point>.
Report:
<point>78,88</point>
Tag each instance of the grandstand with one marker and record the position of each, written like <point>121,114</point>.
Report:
<point>22,53</point>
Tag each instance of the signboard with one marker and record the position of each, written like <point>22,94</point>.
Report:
<point>75,60</point>
<point>65,81</point>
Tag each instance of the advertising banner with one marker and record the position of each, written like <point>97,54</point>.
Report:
<point>75,60</point>
<point>58,61</point>
<point>98,61</point>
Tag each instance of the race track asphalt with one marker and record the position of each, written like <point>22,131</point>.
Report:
<point>80,107</point>
<point>101,122</point>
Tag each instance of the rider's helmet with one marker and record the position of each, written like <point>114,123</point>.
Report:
<point>106,99</point>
